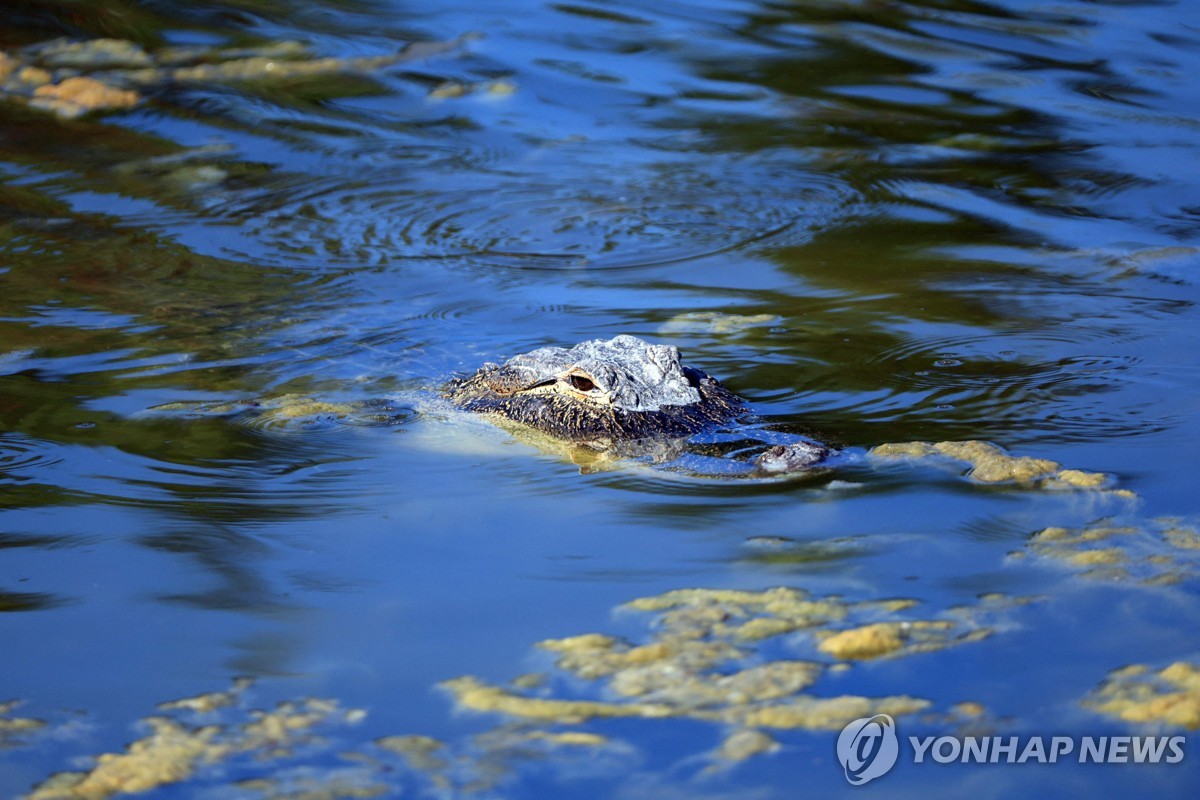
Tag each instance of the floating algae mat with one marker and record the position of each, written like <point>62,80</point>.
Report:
<point>701,661</point>
<point>174,751</point>
<point>118,73</point>
<point>988,463</point>
<point>1139,694</point>
<point>1150,552</point>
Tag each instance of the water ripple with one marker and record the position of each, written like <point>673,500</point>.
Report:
<point>545,220</point>
<point>20,455</point>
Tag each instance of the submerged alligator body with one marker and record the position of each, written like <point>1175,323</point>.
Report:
<point>614,394</point>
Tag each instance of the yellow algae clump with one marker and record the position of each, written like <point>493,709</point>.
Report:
<point>8,65</point>
<point>501,88</point>
<point>211,701</point>
<point>736,597</point>
<point>1096,533</point>
<point>281,409</point>
<point>1183,538</point>
<point>34,76</point>
<point>763,628</point>
<point>172,752</point>
<point>594,656</point>
<point>19,725</point>
<point>1170,696</point>
<point>1156,552</point>
<point>745,743</point>
<point>494,755</point>
<point>969,708</point>
<point>13,728</point>
<point>1053,534</point>
<point>448,89</point>
<point>1102,557</point>
<point>869,641</point>
<point>1183,675</point>
<point>1080,479</point>
<point>309,787</point>
<point>529,680</point>
<point>1093,533</point>
<point>169,754</point>
<point>79,95</point>
<point>895,604</point>
<point>91,54</point>
<point>291,406</point>
<point>989,463</point>
<point>903,450</point>
<point>567,738</point>
<point>715,322</point>
<point>820,713</point>
<point>692,667</point>
<point>50,71</point>
<point>478,696</point>
<point>674,686</point>
<point>740,615</point>
<point>452,89</point>
<point>420,752</point>
<point>687,652</point>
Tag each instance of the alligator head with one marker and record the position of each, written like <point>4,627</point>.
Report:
<point>599,391</point>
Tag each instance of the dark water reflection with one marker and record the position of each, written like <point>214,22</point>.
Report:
<point>949,220</point>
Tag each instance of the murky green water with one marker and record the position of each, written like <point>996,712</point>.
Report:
<point>944,221</point>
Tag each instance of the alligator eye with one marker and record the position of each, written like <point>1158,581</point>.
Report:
<point>581,383</point>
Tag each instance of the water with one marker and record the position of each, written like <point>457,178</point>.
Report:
<point>951,220</point>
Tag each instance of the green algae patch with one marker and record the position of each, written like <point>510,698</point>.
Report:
<point>1170,696</point>
<point>988,463</point>
<point>172,751</point>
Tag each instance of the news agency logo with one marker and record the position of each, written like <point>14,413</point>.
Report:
<point>868,748</point>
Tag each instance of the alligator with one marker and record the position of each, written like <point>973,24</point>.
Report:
<point>624,395</point>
